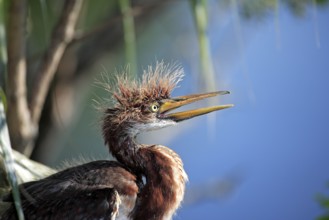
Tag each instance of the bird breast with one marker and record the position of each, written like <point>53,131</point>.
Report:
<point>168,168</point>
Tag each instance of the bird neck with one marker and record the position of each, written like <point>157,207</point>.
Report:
<point>123,146</point>
<point>163,170</point>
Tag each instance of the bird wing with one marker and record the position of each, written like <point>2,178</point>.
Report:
<point>89,191</point>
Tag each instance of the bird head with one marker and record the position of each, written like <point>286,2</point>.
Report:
<point>147,105</point>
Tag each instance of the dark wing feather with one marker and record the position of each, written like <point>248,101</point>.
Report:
<point>89,191</point>
<point>71,204</point>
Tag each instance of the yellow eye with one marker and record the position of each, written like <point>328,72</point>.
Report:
<point>154,107</point>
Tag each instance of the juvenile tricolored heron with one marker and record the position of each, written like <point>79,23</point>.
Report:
<point>146,181</point>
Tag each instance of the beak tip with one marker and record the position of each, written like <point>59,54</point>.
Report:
<point>222,92</point>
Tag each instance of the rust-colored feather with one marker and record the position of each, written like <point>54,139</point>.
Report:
<point>157,83</point>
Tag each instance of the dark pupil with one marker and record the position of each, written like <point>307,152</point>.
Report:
<point>155,107</point>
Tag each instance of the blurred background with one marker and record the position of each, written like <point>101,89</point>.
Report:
<point>266,158</point>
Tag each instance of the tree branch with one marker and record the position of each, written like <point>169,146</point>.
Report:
<point>19,122</point>
<point>61,37</point>
<point>8,161</point>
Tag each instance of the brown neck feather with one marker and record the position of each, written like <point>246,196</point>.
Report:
<point>163,170</point>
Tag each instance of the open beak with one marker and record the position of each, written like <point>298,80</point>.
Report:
<point>171,104</point>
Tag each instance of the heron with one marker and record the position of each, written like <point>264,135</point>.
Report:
<point>145,181</point>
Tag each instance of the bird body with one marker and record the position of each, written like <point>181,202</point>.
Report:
<point>146,181</point>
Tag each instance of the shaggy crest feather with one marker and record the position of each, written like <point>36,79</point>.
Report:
<point>134,96</point>
<point>157,83</point>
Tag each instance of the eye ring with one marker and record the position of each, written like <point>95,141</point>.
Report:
<point>154,107</point>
